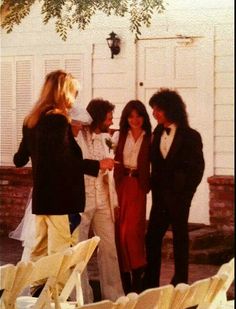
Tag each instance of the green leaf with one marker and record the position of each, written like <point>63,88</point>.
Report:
<point>79,12</point>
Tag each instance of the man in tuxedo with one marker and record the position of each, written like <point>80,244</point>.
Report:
<point>177,167</point>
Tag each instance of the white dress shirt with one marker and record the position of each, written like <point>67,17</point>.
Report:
<point>166,140</point>
<point>131,150</point>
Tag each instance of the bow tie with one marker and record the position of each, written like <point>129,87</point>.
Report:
<point>167,130</point>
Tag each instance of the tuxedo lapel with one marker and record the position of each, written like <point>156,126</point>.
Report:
<point>177,141</point>
<point>157,137</point>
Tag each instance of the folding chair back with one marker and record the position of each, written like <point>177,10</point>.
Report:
<point>20,275</point>
<point>77,257</point>
<point>103,304</point>
<point>53,268</point>
<point>201,294</point>
<point>133,298</point>
<point>128,301</point>
<point>154,298</point>
<point>179,295</point>
<point>196,294</point>
<point>212,298</point>
<point>7,276</point>
<point>227,268</point>
<point>46,268</point>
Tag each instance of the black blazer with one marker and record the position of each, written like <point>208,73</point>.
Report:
<point>58,167</point>
<point>182,170</point>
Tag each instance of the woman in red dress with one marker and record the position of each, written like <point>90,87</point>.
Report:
<point>132,176</point>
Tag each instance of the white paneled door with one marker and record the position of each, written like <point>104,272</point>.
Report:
<point>186,66</point>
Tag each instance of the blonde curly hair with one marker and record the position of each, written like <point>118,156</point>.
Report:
<point>57,96</point>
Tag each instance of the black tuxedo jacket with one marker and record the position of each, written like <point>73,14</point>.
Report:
<point>57,164</point>
<point>179,174</point>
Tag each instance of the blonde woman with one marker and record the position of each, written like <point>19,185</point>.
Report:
<point>58,167</point>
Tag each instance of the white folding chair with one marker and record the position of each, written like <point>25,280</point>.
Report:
<point>178,296</point>
<point>7,276</point>
<point>77,259</point>
<point>21,277</point>
<point>228,305</point>
<point>54,267</point>
<point>201,294</point>
<point>227,268</point>
<point>46,268</point>
<point>103,304</point>
<point>154,298</point>
<point>211,299</point>
<point>128,301</point>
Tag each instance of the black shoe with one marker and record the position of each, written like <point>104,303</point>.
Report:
<point>126,282</point>
<point>137,280</point>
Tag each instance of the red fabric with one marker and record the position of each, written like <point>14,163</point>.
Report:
<point>131,224</point>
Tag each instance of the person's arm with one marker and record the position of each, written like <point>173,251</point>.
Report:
<point>91,167</point>
<point>115,138</point>
<point>76,126</point>
<point>21,157</point>
<point>195,162</point>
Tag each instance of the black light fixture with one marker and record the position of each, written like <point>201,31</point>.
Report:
<point>114,44</point>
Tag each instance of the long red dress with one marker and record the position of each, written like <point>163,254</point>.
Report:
<point>131,224</point>
<point>131,193</point>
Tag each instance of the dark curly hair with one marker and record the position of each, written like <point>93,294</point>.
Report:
<point>140,108</point>
<point>171,103</point>
<point>98,109</point>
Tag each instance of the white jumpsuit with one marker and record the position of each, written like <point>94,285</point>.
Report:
<point>99,216</point>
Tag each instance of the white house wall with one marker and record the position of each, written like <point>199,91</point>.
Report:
<point>115,79</point>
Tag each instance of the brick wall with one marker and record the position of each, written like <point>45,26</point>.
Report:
<point>15,184</point>
<point>222,202</point>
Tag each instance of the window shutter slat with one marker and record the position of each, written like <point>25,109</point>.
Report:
<point>24,93</point>
<point>7,120</point>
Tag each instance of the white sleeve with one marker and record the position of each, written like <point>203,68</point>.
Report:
<point>115,137</point>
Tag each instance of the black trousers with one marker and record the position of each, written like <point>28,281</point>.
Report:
<point>169,209</point>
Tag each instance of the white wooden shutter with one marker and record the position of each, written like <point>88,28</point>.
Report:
<point>18,77</point>
<point>70,63</point>
<point>24,93</point>
<point>74,65</point>
<point>16,100</point>
<point>52,63</point>
<point>7,112</point>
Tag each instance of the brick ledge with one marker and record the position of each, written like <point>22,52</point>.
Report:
<point>221,180</point>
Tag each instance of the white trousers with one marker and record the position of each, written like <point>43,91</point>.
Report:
<point>52,235</point>
<point>109,274</point>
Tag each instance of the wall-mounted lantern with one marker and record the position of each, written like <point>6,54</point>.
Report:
<point>114,44</point>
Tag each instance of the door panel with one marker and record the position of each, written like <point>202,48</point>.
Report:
<point>187,68</point>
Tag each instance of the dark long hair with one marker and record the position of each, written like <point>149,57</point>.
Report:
<point>171,103</point>
<point>98,109</point>
<point>140,108</point>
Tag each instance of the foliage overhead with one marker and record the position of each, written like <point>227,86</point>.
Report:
<point>67,13</point>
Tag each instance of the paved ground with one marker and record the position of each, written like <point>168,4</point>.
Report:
<point>10,252</point>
